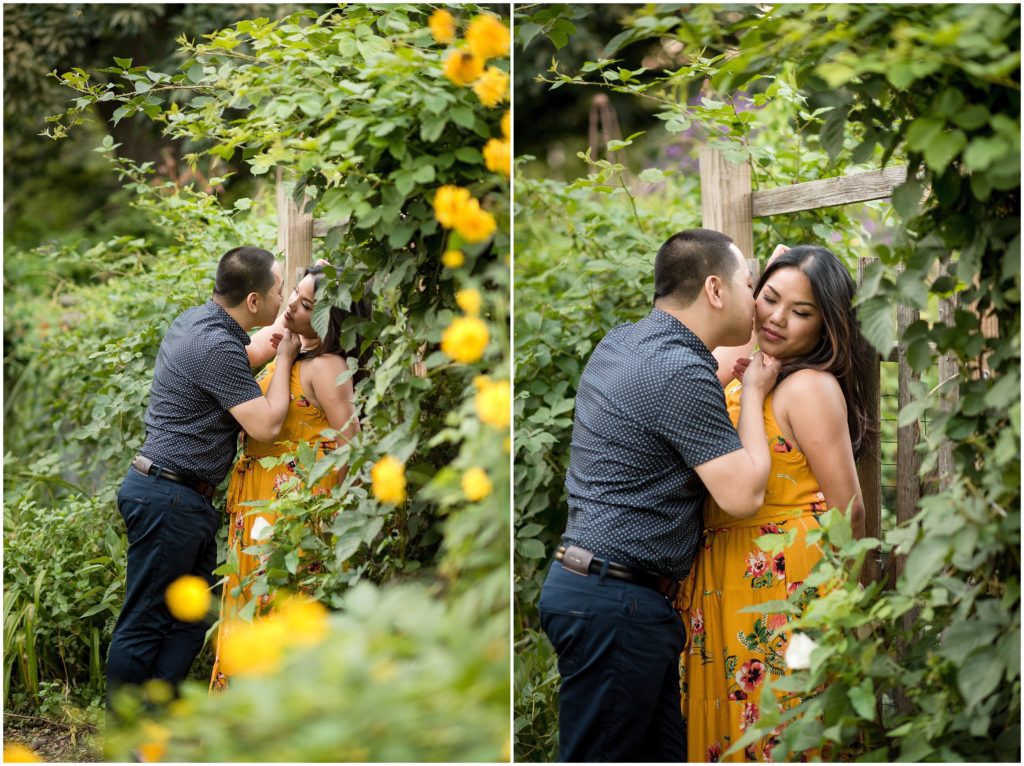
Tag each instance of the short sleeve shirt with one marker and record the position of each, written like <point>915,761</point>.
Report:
<point>202,370</point>
<point>649,408</point>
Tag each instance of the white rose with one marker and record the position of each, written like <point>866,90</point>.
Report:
<point>261,530</point>
<point>798,653</point>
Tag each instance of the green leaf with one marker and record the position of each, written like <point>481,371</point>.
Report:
<point>983,151</point>
<point>123,63</point>
<point>863,699</point>
<point>906,197</point>
<point>462,116</point>
<point>925,561</point>
<point>962,638</point>
<point>878,323</point>
<point>1004,391</point>
<point>971,118</point>
<point>922,132</point>
<point>831,135</point>
<point>652,176</point>
<point>943,148</point>
<point>979,676</point>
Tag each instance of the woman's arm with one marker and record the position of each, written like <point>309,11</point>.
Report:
<point>815,409</point>
<point>333,399</point>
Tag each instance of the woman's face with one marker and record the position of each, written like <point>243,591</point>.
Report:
<point>787,318</point>
<point>299,316</point>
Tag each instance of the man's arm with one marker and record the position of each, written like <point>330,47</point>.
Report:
<point>738,479</point>
<point>263,343</point>
<point>263,416</point>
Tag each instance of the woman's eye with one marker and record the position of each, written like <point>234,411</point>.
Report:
<point>801,315</point>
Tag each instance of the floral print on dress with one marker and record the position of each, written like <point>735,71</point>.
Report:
<point>779,444</point>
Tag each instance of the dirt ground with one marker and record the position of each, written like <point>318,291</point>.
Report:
<point>53,741</point>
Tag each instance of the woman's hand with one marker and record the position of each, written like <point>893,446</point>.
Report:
<point>779,250</point>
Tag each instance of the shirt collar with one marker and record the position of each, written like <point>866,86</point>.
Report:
<point>217,311</point>
<point>683,334</point>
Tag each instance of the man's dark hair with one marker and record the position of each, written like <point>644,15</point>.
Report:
<point>687,259</point>
<point>241,271</point>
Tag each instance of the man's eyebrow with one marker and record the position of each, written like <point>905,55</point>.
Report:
<point>797,303</point>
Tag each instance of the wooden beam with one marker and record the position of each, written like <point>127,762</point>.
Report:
<point>950,392</point>
<point>294,234</point>
<point>810,195</point>
<point>725,198</point>
<point>869,467</point>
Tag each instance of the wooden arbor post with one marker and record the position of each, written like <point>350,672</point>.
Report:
<point>294,234</point>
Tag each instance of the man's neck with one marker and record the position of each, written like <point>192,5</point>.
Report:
<point>239,313</point>
<point>696,321</point>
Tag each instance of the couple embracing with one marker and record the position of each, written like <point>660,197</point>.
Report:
<point>204,394</point>
<point>685,449</point>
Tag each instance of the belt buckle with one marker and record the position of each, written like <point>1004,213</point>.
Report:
<point>577,560</point>
<point>142,464</point>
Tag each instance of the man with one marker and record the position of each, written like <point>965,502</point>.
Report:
<point>203,391</point>
<point>651,437</point>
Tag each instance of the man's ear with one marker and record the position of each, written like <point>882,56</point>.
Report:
<point>252,302</point>
<point>713,289</point>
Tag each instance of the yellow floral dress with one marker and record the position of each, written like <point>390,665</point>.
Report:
<point>729,653</point>
<point>251,481</point>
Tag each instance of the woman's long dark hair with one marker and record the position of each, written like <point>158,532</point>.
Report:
<point>842,349</point>
<point>330,343</point>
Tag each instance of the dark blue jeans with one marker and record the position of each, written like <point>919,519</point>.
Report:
<point>618,648</point>
<point>171,532</point>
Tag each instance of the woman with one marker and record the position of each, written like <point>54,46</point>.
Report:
<point>816,423</point>
<point>317,403</point>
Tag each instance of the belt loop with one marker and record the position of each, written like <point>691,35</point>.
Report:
<point>604,571</point>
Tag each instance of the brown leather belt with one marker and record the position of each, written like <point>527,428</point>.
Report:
<point>145,466</point>
<point>584,562</point>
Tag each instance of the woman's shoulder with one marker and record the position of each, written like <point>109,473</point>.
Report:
<point>325,365</point>
<point>809,389</point>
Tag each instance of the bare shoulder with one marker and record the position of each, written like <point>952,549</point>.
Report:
<point>810,390</point>
<point>326,367</point>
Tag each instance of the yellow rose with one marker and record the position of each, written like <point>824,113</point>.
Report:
<point>487,37</point>
<point>506,445</point>
<point>506,125</point>
<point>452,259</point>
<point>469,300</point>
<point>463,67</point>
<point>188,598</point>
<point>252,649</point>
<point>304,620</point>
<point>465,339</point>
<point>389,480</point>
<point>473,223</point>
<point>476,485</point>
<point>480,382</point>
<point>492,88</point>
<point>449,202</point>
<point>497,156</point>
<point>19,753</point>
<point>442,26</point>
<point>154,748</point>
<point>493,404</point>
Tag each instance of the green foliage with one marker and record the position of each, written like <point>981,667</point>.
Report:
<point>328,100</point>
<point>814,91</point>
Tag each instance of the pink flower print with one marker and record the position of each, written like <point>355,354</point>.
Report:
<point>737,696</point>
<point>775,621</point>
<point>820,505</point>
<point>749,715</point>
<point>750,753</point>
<point>781,445</point>
<point>792,587</point>
<point>318,491</point>
<point>302,402</point>
<point>770,529</point>
<point>279,480</point>
<point>779,565</point>
<point>714,754</point>
<point>750,675</point>
<point>291,466</point>
<point>757,563</point>
<point>697,621</point>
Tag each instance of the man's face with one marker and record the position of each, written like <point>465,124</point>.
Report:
<point>270,302</point>
<point>739,302</point>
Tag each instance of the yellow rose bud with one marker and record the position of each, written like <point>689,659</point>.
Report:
<point>19,753</point>
<point>442,26</point>
<point>476,485</point>
<point>492,87</point>
<point>493,404</point>
<point>506,125</point>
<point>449,202</point>
<point>465,339</point>
<point>463,67</point>
<point>452,259</point>
<point>497,156</point>
<point>487,37</point>
<point>388,475</point>
<point>473,223</point>
<point>469,300</point>
<point>188,598</point>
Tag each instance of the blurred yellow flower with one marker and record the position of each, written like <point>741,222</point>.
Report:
<point>476,485</point>
<point>463,67</point>
<point>493,404</point>
<point>481,382</point>
<point>473,223</point>
<point>506,445</point>
<point>154,747</point>
<point>305,620</point>
<point>506,125</point>
<point>487,37</point>
<point>389,480</point>
<point>497,156</point>
<point>442,26</point>
<point>253,649</point>
<point>465,339</point>
<point>469,300</point>
<point>19,753</point>
<point>188,598</point>
<point>492,87</point>
<point>448,204</point>
<point>452,259</point>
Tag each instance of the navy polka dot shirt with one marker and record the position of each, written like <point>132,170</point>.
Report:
<point>202,371</point>
<point>649,407</point>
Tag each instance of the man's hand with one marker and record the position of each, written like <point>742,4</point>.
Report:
<point>288,346</point>
<point>760,373</point>
<point>275,339</point>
